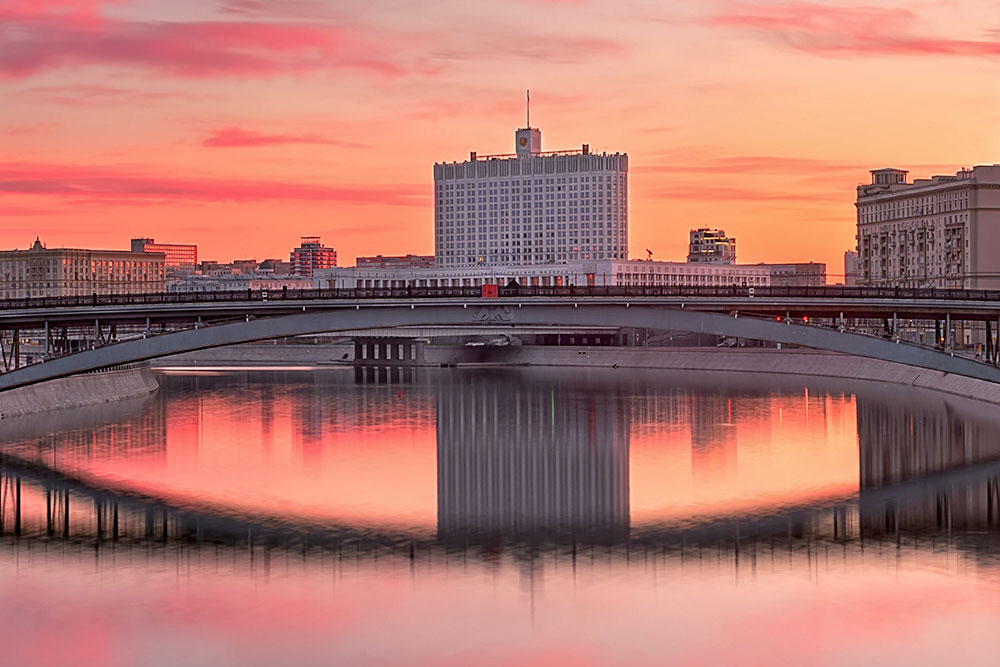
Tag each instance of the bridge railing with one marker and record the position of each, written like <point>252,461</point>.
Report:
<point>518,291</point>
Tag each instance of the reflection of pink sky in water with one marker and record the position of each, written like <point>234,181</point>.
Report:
<point>762,452</point>
<point>909,607</point>
<point>376,470</point>
<point>369,455</point>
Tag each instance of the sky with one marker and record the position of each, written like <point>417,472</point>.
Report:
<point>241,125</point>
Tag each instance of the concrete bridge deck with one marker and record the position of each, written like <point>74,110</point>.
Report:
<point>779,315</point>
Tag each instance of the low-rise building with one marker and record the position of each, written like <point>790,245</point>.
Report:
<point>274,267</point>
<point>41,271</point>
<point>801,274</point>
<point>582,273</point>
<point>238,283</point>
<point>389,261</point>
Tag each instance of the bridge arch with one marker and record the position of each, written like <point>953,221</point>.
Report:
<point>344,317</point>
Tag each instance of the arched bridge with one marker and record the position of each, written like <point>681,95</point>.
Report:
<point>780,315</point>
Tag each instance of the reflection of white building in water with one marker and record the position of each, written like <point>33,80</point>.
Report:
<point>521,459</point>
<point>905,438</point>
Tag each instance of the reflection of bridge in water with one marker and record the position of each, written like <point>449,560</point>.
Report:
<point>533,461</point>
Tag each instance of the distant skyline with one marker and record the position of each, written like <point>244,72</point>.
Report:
<point>242,125</point>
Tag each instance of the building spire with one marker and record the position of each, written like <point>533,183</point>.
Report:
<point>528,107</point>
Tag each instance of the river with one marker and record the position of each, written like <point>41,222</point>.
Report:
<point>502,516</point>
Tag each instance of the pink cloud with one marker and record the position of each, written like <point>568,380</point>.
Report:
<point>23,211</point>
<point>33,41</point>
<point>846,30</point>
<point>556,49</point>
<point>29,45</point>
<point>25,130</point>
<point>112,185</point>
<point>96,94</point>
<point>235,137</point>
<point>277,8</point>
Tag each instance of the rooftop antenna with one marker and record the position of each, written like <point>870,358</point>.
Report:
<point>528,94</point>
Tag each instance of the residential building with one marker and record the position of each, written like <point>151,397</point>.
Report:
<point>244,265</point>
<point>942,231</point>
<point>175,255</point>
<point>850,268</point>
<point>274,267</point>
<point>531,207</point>
<point>310,256</point>
<point>803,274</point>
<point>42,271</point>
<point>389,261</point>
<point>711,246</point>
<point>594,273</point>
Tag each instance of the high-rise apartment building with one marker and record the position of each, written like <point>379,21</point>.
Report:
<point>942,231</point>
<point>711,246</point>
<point>41,271</point>
<point>175,255</point>
<point>310,256</point>
<point>531,207</point>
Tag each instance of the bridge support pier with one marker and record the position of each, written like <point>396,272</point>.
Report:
<point>389,351</point>
<point>989,343</point>
<point>11,361</point>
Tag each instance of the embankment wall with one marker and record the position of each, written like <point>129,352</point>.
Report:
<point>743,360</point>
<point>78,391</point>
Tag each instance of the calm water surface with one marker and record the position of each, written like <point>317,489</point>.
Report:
<point>527,517</point>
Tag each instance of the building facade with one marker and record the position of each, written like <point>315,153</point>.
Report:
<point>175,255</point>
<point>389,261</point>
<point>238,283</point>
<point>42,271</point>
<point>850,268</point>
<point>274,267</point>
<point>586,273</point>
<point>943,231</point>
<point>310,256</point>
<point>531,207</point>
<point>711,246</point>
<point>800,274</point>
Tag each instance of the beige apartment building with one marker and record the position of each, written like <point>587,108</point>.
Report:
<point>942,231</point>
<point>41,271</point>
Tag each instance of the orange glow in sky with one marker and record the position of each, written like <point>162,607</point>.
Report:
<point>241,125</point>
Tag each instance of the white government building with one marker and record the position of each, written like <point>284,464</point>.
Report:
<point>547,219</point>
